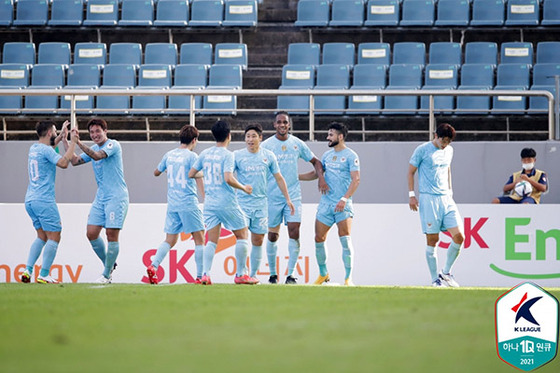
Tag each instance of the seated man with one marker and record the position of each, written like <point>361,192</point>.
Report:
<point>529,173</point>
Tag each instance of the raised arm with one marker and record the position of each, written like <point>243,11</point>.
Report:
<point>68,156</point>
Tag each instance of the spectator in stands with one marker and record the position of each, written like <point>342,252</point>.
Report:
<point>535,177</point>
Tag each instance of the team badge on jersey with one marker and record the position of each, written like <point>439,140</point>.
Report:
<point>284,148</point>
<point>110,145</point>
<point>334,158</point>
<point>343,159</point>
<point>356,162</point>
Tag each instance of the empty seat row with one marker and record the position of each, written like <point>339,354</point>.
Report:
<point>167,13</point>
<point>126,53</point>
<point>429,13</point>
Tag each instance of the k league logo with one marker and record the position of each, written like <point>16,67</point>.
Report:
<point>527,327</point>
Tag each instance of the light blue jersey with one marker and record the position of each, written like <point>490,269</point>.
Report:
<point>255,169</point>
<point>41,166</point>
<point>287,153</point>
<point>433,168</point>
<point>338,167</point>
<point>181,190</point>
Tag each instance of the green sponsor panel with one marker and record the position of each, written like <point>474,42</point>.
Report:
<point>527,353</point>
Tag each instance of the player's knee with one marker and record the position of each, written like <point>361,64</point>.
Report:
<point>273,236</point>
<point>458,238</point>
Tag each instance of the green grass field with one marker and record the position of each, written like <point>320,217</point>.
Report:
<point>227,328</point>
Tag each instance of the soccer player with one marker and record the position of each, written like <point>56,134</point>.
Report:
<point>342,174</point>
<point>40,201</point>
<point>220,203</point>
<point>183,214</point>
<point>438,211</point>
<point>288,149</point>
<point>110,205</point>
<point>253,165</point>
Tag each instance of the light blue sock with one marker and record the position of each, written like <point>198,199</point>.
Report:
<point>161,252</point>
<point>256,258</point>
<point>271,250</point>
<point>322,256</point>
<point>34,252</point>
<point>452,255</point>
<point>112,253</point>
<point>48,257</point>
<point>209,251</point>
<point>431,258</point>
<point>241,251</point>
<point>347,254</point>
<point>98,246</point>
<point>199,259</point>
<point>293,249</point>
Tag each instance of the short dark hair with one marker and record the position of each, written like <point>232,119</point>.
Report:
<point>187,134</point>
<point>221,130</point>
<point>43,127</point>
<point>528,153</point>
<point>254,127</point>
<point>340,128</point>
<point>446,130</point>
<point>97,122</point>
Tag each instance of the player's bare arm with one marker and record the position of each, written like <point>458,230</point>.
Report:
<point>63,135</point>
<point>195,174</point>
<point>234,183</point>
<point>157,172</point>
<point>323,187</point>
<point>200,188</point>
<point>284,189</point>
<point>412,201</point>
<point>68,156</point>
<point>308,176</point>
<point>355,175</point>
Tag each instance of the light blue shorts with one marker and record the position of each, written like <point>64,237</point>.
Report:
<point>438,213</point>
<point>232,218</point>
<point>258,220</point>
<point>279,212</point>
<point>44,215</point>
<point>327,215</point>
<point>187,221</point>
<point>110,214</point>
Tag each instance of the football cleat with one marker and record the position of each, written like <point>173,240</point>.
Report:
<point>322,279</point>
<point>26,277</point>
<point>245,280</point>
<point>448,279</point>
<point>46,280</point>
<point>273,279</point>
<point>152,275</point>
<point>291,280</point>
<point>205,280</point>
<point>198,281</point>
<point>348,282</point>
<point>103,280</point>
<point>438,284</point>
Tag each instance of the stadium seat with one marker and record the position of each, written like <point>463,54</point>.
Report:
<point>481,52</point>
<point>231,54</point>
<point>13,76</point>
<point>188,77</point>
<point>90,53</point>
<point>82,77</point>
<point>240,13</point>
<point>31,13</point>
<point>440,76</point>
<point>161,53</point>
<point>475,76</point>
<point>18,52</point>
<point>126,53</point>
<point>46,76</point>
<point>172,13</point>
<point>6,12</point>
<point>551,13</point>
<point>347,13</point>
<point>296,77</point>
<point>304,54</point>
<point>151,76</point>
<point>339,54</point>
<point>445,52</point>
<point>332,77</point>
<point>453,13</point>
<point>117,76</point>
<point>66,13</point>
<point>403,76</point>
<point>409,53</point>
<point>516,52</point>
<point>102,13</point>
<point>207,13</point>
<point>367,76</point>
<point>220,77</point>
<point>312,13</point>
<point>418,13</point>
<point>54,53</point>
<point>374,53</point>
<point>548,52</point>
<point>523,12</point>
<point>543,80</point>
<point>137,13</point>
<point>382,13</point>
<point>488,13</point>
<point>196,53</point>
<point>511,76</point>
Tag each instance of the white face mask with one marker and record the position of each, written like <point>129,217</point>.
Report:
<point>528,166</point>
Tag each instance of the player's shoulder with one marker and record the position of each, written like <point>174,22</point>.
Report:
<point>267,152</point>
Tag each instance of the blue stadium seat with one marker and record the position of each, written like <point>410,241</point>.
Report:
<point>418,13</point>
<point>6,12</point>
<point>188,77</point>
<point>117,76</point>
<point>151,76</point>
<point>196,53</point>
<point>409,53</point>
<point>240,13</point>
<point>172,13</point>
<point>102,13</point>
<point>543,80</point>
<point>523,12</point>
<point>488,13</point>
<point>304,54</point>
<point>548,52</point>
<point>66,13</point>
<point>90,53</point>
<point>551,13</point>
<point>367,76</point>
<point>231,54</point>
<point>137,13</point>
<point>82,77</point>
<point>12,76</point>
<point>339,54</point>
<point>374,53</point>
<point>45,76</point>
<point>440,76</point>
<point>453,13</point>
<point>516,52</point>
<point>511,76</point>
<point>55,53</point>
<point>382,13</point>
<point>312,13</point>
<point>223,76</point>
<point>481,52</point>
<point>207,13</point>
<point>445,52</point>
<point>296,77</point>
<point>347,13</point>
<point>161,53</point>
<point>18,52</point>
<point>126,53</point>
<point>31,13</point>
<point>403,76</point>
<point>475,76</point>
<point>332,77</point>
